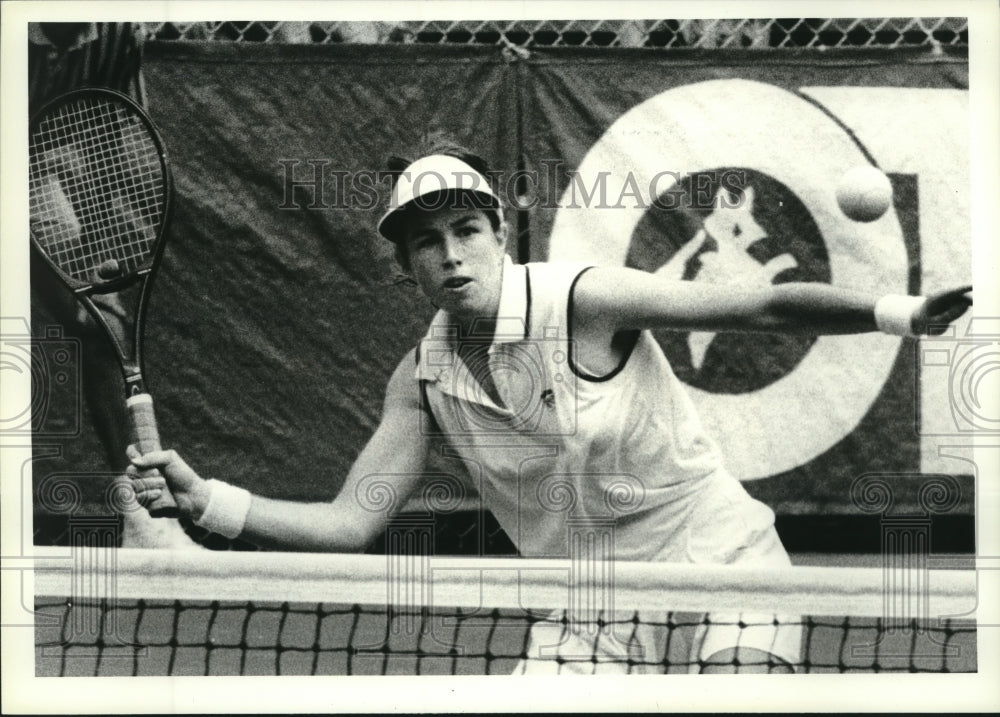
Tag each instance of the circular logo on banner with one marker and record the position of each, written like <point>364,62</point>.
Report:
<point>730,225</point>
<point>742,177</point>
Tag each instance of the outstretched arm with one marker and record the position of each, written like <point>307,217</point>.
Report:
<point>397,449</point>
<point>616,299</point>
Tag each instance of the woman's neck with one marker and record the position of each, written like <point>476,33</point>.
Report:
<point>476,330</point>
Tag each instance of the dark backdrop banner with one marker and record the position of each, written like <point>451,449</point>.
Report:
<point>276,323</point>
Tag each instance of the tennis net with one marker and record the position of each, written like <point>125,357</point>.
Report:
<point>103,611</point>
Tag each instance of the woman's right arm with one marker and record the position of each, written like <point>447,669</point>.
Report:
<point>396,452</point>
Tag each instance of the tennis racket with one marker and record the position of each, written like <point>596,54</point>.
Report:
<point>100,195</point>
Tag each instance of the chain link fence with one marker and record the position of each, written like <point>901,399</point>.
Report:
<point>728,33</point>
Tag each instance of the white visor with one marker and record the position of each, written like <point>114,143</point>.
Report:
<point>428,184</point>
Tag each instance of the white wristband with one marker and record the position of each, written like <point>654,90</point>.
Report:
<point>227,509</point>
<point>894,313</point>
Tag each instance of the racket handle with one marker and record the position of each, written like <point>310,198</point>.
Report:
<point>146,438</point>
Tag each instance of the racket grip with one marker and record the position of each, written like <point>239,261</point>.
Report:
<point>146,438</point>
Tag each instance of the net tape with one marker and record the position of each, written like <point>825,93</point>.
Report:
<point>757,33</point>
<point>266,613</point>
<point>97,188</point>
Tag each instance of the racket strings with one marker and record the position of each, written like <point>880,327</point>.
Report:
<point>97,187</point>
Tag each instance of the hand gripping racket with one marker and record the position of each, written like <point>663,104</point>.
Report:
<point>100,195</point>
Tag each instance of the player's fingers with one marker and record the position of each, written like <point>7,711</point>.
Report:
<point>948,306</point>
<point>148,484</point>
<point>938,322</point>
<point>133,472</point>
<point>952,311</point>
<point>962,294</point>
<point>961,297</point>
<point>145,490</point>
<point>960,307</point>
<point>154,459</point>
<point>144,498</point>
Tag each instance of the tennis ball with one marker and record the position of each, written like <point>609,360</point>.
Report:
<point>864,194</point>
<point>109,270</point>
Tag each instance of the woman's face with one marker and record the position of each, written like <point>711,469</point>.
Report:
<point>456,257</point>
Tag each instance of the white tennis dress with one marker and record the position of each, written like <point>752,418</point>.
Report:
<point>594,468</point>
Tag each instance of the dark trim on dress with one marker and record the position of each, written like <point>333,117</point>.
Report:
<point>569,329</point>
<point>527,303</point>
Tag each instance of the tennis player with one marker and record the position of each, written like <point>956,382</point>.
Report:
<point>545,380</point>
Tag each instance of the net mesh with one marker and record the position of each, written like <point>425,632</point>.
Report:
<point>132,612</point>
<point>97,188</point>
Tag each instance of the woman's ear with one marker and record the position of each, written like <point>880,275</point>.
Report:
<point>503,232</point>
